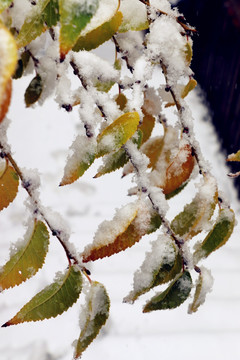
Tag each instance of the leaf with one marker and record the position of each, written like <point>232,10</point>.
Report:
<point>74,16</point>
<point>203,286</point>
<point>95,314</point>
<point>139,222</point>
<point>35,23</point>
<point>179,170</point>
<point>83,155</point>
<point>8,187</point>
<point>53,300</point>
<point>134,16</point>
<point>28,259</point>
<point>51,13</point>
<point>21,65</point>
<point>189,87</point>
<point>161,265</point>
<point>99,35</point>
<point>176,293</point>
<point>33,91</point>
<point>8,62</point>
<point>117,159</point>
<point>218,236</point>
<point>4,4</point>
<point>117,133</point>
<point>147,125</point>
<point>188,53</point>
<point>234,157</point>
<point>121,100</point>
<point>195,216</point>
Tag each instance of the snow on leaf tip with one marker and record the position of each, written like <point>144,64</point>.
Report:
<point>9,182</point>
<point>117,133</point>
<point>74,16</point>
<point>53,300</point>
<point>176,293</point>
<point>95,313</point>
<point>8,63</point>
<point>218,236</point>
<point>28,259</point>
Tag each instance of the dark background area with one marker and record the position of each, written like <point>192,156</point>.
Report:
<point>216,64</point>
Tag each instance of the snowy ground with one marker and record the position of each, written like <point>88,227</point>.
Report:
<point>42,142</point>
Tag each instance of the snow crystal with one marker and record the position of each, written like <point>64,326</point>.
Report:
<point>165,43</point>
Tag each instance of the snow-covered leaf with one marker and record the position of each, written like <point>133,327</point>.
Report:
<point>179,170</point>
<point>28,259</point>
<point>161,265</point>
<point>147,125</point>
<point>8,62</point>
<point>203,286</point>
<point>134,16</point>
<point>196,215</point>
<point>176,293</point>
<point>83,155</point>
<point>42,16</point>
<point>99,35</point>
<point>117,133</point>
<point>218,236</point>
<point>74,16</point>
<point>95,314</point>
<point>9,182</point>
<point>234,157</point>
<point>33,91</point>
<point>53,300</point>
<point>127,227</point>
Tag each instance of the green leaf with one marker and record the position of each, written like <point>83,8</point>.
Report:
<point>33,91</point>
<point>189,87</point>
<point>51,13</point>
<point>9,182</point>
<point>218,236</point>
<point>117,133</point>
<point>195,215</point>
<point>74,16</point>
<point>53,300</point>
<point>177,292</point>
<point>95,314</point>
<point>35,23</point>
<point>117,159</point>
<point>99,35</point>
<point>161,265</point>
<point>28,259</point>
<point>4,4</point>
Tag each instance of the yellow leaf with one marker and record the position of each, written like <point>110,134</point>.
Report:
<point>117,133</point>
<point>8,187</point>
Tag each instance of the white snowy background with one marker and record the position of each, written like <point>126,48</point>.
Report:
<point>40,139</point>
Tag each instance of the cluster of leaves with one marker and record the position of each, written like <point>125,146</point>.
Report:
<point>118,128</point>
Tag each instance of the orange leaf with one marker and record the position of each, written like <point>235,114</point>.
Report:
<point>8,62</point>
<point>179,170</point>
<point>8,187</point>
